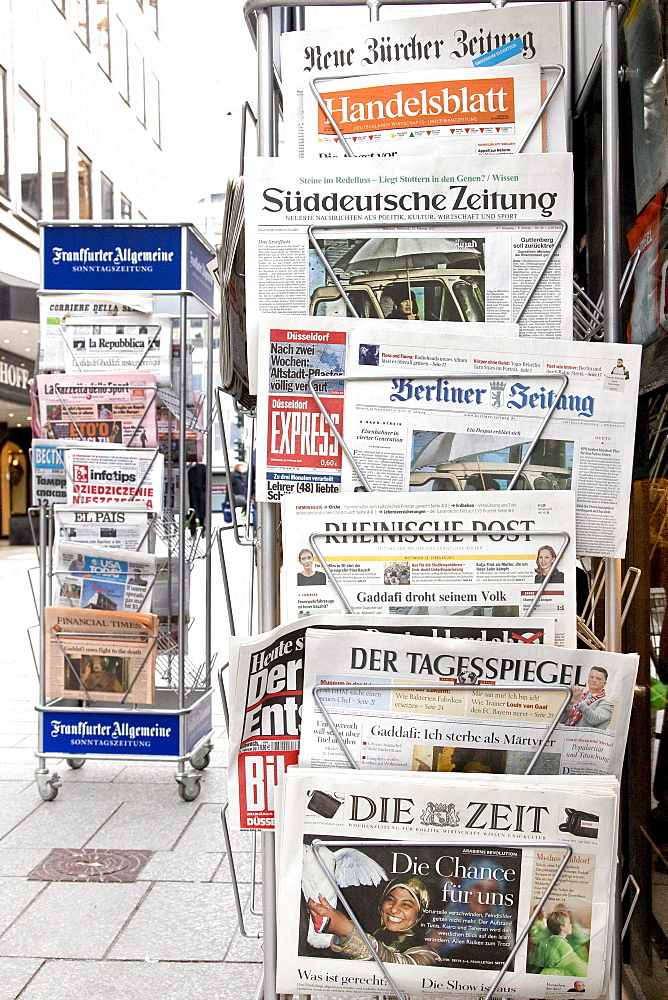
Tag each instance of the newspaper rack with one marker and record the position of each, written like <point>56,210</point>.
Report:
<point>183,698</point>
<point>592,320</point>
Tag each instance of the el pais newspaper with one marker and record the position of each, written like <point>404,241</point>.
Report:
<point>483,554</point>
<point>474,239</point>
<point>433,704</point>
<point>430,410</point>
<point>265,681</point>
<point>443,878</point>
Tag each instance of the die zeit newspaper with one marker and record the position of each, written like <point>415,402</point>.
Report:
<point>100,655</point>
<point>440,553</point>
<point>404,723</point>
<point>531,35</point>
<point>430,112</point>
<point>115,477</point>
<point>265,695</point>
<point>112,408</point>
<point>298,451</point>
<point>443,877</point>
<point>470,239</point>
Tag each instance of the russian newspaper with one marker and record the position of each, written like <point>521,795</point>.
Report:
<point>265,694</point>
<point>484,554</point>
<point>122,346</point>
<point>298,451</point>
<point>112,408</point>
<point>100,655</point>
<point>523,35</point>
<point>115,476</point>
<point>442,112</point>
<point>443,878</point>
<point>469,240</point>
<point>49,481</point>
<point>134,308</point>
<point>112,527</point>
<point>418,717</point>
<point>92,577</point>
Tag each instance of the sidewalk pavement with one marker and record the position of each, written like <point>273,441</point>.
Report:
<point>169,935</point>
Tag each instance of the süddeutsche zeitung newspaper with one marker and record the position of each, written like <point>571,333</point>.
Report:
<point>417,716</point>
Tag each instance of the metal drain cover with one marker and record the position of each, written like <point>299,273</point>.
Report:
<point>83,865</point>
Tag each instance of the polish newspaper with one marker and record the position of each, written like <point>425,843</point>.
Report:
<point>533,35</point>
<point>434,554</point>
<point>100,655</point>
<point>417,716</point>
<point>485,240</point>
<point>114,476</point>
<point>92,577</point>
<point>112,408</point>
<point>106,527</point>
<point>265,694</point>
<point>433,885</point>
<point>47,459</point>
<point>426,113</point>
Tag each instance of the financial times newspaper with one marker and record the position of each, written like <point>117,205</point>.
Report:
<point>418,717</point>
<point>109,528</point>
<point>118,408</point>
<point>92,577</point>
<point>469,239</point>
<point>443,878</point>
<point>132,308</point>
<point>114,477</point>
<point>431,112</point>
<point>298,451</point>
<point>122,346</point>
<point>389,553</point>
<point>523,35</point>
<point>265,694</point>
<point>100,655</point>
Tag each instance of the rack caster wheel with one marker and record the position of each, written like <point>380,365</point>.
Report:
<point>47,785</point>
<point>75,762</point>
<point>189,788</point>
<point>201,760</point>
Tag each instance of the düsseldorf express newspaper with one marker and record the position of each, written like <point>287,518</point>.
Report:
<point>418,717</point>
<point>265,694</point>
<point>532,35</point>
<point>389,553</point>
<point>474,239</point>
<point>443,877</point>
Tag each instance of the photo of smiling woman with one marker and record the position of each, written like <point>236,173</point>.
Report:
<point>400,937</point>
<point>545,560</point>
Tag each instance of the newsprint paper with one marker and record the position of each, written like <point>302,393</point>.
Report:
<point>92,577</point>
<point>123,347</point>
<point>524,35</point>
<point>100,655</point>
<point>265,694</point>
<point>389,553</point>
<point>113,527</point>
<point>443,876</point>
<point>418,717</point>
<point>47,458</point>
<point>118,476</point>
<point>427,113</point>
<point>470,239</point>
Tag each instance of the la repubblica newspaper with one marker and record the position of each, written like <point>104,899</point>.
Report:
<point>417,716</point>
<point>443,878</point>
<point>265,694</point>
<point>413,421</point>
<point>532,35</point>
<point>482,239</point>
<point>464,553</point>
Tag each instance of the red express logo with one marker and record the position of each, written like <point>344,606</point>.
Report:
<point>299,435</point>
<point>80,473</point>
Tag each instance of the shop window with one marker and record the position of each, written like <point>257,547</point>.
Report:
<point>4,173</point>
<point>85,174</point>
<point>107,197</point>
<point>153,107</point>
<point>138,84</point>
<point>59,173</point>
<point>60,5</point>
<point>126,208</point>
<point>102,30</point>
<point>119,52</point>
<point>28,153</point>
<point>152,12</point>
<point>83,21</point>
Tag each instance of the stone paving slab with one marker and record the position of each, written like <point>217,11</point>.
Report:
<point>153,822</point>
<point>15,895</point>
<point>206,828</point>
<point>71,920</point>
<point>14,974</point>
<point>19,862</point>
<point>59,980</point>
<point>167,866</point>
<point>61,823</point>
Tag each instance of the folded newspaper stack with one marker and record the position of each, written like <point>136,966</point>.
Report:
<point>233,359</point>
<point>441,887</point>
<point>92,577</point>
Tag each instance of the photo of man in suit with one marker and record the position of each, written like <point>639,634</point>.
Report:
<point>591,707</point>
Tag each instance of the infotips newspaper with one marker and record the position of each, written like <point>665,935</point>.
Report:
<point>470,239</point>
<point>420,703</point>
<point>438,880</point>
